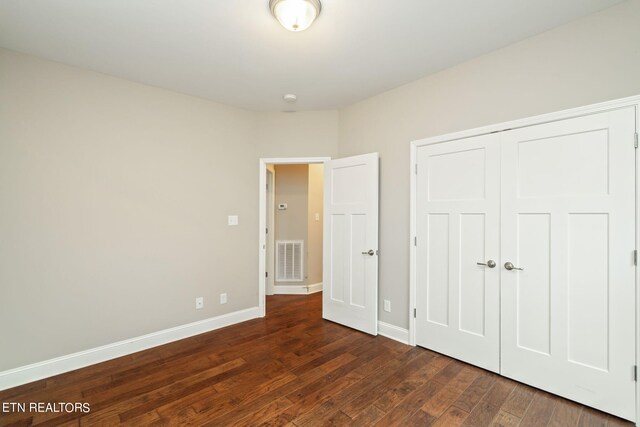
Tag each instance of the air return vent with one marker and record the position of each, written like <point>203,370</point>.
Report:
<point>289,266</point>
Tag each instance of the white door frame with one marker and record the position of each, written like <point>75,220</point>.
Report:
<point>262,220</point>
<point>530,121</point>
<point>270,226</point>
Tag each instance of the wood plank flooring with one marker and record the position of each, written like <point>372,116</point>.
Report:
<point>293,368</point>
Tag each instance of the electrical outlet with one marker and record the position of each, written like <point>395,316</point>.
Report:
<point>223,298</point>
<point>199,303</point>
<point>387,306</point>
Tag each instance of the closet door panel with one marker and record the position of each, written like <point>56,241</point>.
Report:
<point>458,205</point>
<point>568,206</point>
<point>533,289</point>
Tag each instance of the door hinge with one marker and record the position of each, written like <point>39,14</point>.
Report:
<point>635,140</point>
<point>415,240</point>
<point>635,257</point>
<point>266,231</point>
<point>635,372</point>
<point>266,274</point>
<point>414,312</point>
<point>416,168</point>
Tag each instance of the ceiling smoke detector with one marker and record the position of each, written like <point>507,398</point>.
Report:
<point>295,15</point>
<point>290,98</point>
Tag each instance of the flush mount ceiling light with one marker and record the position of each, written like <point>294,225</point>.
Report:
<point>295,15</point>
<point>290,98</point>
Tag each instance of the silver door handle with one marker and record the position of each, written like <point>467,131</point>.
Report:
<point>491,263</point>
<point>509,266</point>
<point>370,252</point>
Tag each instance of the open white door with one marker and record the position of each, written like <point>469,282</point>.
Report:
<point>350,271</point>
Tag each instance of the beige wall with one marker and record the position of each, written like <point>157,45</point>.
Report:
<point>314,233</point>
<point>114,199</point>
<point>114,203</point>
<point>302,134</point>
<point>593,59</point>
<point>291,224</point>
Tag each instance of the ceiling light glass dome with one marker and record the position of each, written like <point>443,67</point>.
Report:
<point>295,15</point>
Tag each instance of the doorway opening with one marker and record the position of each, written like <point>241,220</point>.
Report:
<point>291,227</point>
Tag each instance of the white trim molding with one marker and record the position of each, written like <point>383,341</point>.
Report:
<point>316,287</point>
<point>59,365</point>
<point>297,289</point>
<point>393,332</point>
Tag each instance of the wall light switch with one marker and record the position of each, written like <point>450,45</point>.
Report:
<point>233,219</point>
<point>282,207</point>
<point>223,298</point>
<point>317,217</point>
<point>387,305</point>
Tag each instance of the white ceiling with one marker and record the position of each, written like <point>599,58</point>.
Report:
<point>236,53</point>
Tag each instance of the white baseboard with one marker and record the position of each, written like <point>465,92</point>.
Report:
<point>297,289</point>
<point>317,287</point>
<point>59,365</point>
<point>394,332</point>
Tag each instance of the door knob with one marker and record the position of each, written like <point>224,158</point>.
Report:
<point>491,263</point>
<point>510,266</point>
<point>370,252</point>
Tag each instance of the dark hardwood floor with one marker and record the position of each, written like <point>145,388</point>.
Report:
<point>293,368</point>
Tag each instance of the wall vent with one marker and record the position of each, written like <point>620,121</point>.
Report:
<point>289,265</point>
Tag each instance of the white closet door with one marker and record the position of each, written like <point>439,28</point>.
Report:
<point>568,317</point>
<point>457,219</point>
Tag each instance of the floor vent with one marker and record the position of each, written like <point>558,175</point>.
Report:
<point>289,266</point>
